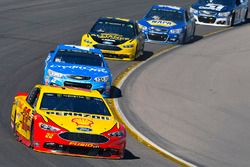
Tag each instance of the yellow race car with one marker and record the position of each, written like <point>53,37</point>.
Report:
<point>67,121</point>
<point>118,39</point>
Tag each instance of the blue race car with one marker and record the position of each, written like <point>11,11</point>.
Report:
<point>167,24</point>
<point>77,66</point>
<point>220,12</point>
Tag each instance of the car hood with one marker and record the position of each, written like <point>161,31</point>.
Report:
<point>84,123</point>
<point>212,7</point>
<point>78,69</point>
<point>162,24</point>
<point>109,38</point>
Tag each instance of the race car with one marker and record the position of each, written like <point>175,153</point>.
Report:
<point>77,66</point>
<point>220,12</point>
<point>67,121</point>
<point>118,39</point>
<point>167,24</point>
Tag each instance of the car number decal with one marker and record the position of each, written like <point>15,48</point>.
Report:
<point>211,6</point>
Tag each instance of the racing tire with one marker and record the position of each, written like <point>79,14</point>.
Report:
<point>184,40</point>
<point>192,38</point>
<point>14,127</point>
<point>141,50</point>
<point>232,20</point>
<point>245,18</point>
<point>31,134</point>
<point>137,53</point>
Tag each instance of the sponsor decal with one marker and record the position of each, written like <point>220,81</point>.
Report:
<point>26,119</point>
<point>90,69</point>
<point>82,122</point>
<point>19,104</point>
<point>49,135</point>
<point>212,6</point>
<point>84,129</point>
<point>161,23</point>
<point>83,144</point>
<point>112,36</point>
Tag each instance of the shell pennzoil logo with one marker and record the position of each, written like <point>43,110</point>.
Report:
<point>82,122</point>
<point>161,23</point>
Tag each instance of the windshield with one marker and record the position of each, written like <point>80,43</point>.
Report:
<point>80,58</point>
<point>126,30</point>
<point>74,103</point>
<point>222,2</point>
<point>160,14</point>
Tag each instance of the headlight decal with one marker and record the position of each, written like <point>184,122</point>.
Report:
<point>48,127</point>
<point>101,79</point>
<point>117,134</point>
<point>128,46</point>
<point>176,31</point>
<point>193,11</point>
<point>52,73</point>
<point>87,41</point>
<point>224,14</point>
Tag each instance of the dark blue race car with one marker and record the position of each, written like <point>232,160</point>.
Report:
<point>220,12</point>
<point>167,24</point>
<point>77,66</point>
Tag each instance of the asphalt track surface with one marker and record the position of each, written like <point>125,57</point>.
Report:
<point>29,30</point>
<point>194,100</point>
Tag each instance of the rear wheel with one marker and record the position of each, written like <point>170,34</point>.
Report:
<point>14,126</point>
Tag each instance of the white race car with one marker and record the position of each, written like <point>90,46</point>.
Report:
<point>220,12</point>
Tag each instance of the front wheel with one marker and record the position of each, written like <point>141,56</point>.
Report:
<point>183,40</point>
<point>232,20</point>
<point>31,134</point>
<point>245,18</point>
<point>142,50</point>
<point>193,35</point>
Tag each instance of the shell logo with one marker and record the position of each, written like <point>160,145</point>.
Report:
<point>82,122</point>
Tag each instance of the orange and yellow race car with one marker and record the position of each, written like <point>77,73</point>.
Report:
<point>118,39</point>
<point>67,121</point>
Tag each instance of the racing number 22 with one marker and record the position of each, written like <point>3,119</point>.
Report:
<point>26,112</point>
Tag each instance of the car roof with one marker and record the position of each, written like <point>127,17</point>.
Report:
<point>69,90</point>
<point>78,48</point>
<point>168,7</point>
<point>116,19</point>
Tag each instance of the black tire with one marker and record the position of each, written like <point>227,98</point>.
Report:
<point>14,126</point>
<point>193,35</point>
<point>184,39</point>
<point>246,15</point>
<point>137,53</point>
<point>142,50</point>
<point>232,20</point>
<point>31,134</point>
